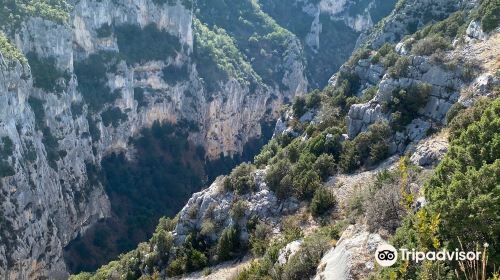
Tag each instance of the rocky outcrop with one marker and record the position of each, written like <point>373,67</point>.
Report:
<point>407,17</point>
<point>352,258</point>
<point>53,195</point>
<point>445,85</point>
<point>214,204</point>
<point>288,251</point>
<point>429,152</point>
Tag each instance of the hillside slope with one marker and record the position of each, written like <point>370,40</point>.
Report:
<point>112,113</point>
<point>378,155</point>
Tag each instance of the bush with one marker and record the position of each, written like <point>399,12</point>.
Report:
<point>466,117</point>
<point>400,68</point>
<point>327,142</point>
<point>92,80</point>
<point>325,165</point>
<point>369,147</point>
<point>6,170</point>
<point>240,180</point>
<point>228,244</point>
<point>313,99</point>
<point>259,239</point>
<point>490,11</point>
<point>139,97</point>
<point>305,181</point>
<point>266,153</point>
<point>384,208</point>
<point>6,148</point>
<point>454,110</point>
<point>322,201</point>
<point>299,106</point>
<point>303,264</point>
<point>45,73</point>
<point>238,210</point>
<point>407,102</point>
<point>188,259</point>
<point>162,241</point>
<point>113,116</point>
<point>274,176</point>
<point>429,45</point>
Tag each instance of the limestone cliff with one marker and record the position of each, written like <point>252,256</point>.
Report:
<point>100,71</point>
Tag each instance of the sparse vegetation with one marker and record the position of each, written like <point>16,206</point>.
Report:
<point>140,45</point>
<point>45,73</point>
<point>113,116</point>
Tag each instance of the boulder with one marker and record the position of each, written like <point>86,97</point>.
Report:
<point>352,258</point>
<point>288,251</point>
<point>429,152</point>
<point>474,31</point>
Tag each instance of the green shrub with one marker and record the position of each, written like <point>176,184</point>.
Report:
<point>274,176</point>
<point>266,153</point>
<point>400,68</point>
<point>322,201</point>
<point>454,110</point>
<point>299,106</point>
<point>5,169</point>
<point>9,52</point>
<point>259,239</point>
<point>45,73</point>
<point>490,11</point>
<point>358,55</point>
<point>407,102</point>
<point>466,117</point>
<point>94,131</point>
<point>92,80</point>
<point>327,142</point>
<point>369,147</point>
<point>229,244</point>
<point>313,99</point>
<point>240,180</point>
<point>113,116</point>
<point>139,97</point>
<point>238,210</point>
<point>390,59</point>
<point>188,259</point>
<point>385,49</point>
<point>325,165</point>
<point>162,241</point>
<point>429,45</point>
<point>462,191</point>
<point>7,147</point>
<point>303,264</point>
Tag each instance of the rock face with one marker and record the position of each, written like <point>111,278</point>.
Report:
<point>45,203</point>
<point>409,16</point>
<point>49,188</point>
<point>53,195</point>
<point>445,85</point>
<point>352,258</point>
<point>429,152</point>
<point>288,251</point>
<point>214,204</point>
